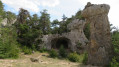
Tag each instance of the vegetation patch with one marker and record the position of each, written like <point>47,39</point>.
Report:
<point>53,53</point>
<point>62,52</point>
<point>74,57</point>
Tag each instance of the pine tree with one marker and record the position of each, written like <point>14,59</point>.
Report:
<point>45,22</point>
<point>2,12</point>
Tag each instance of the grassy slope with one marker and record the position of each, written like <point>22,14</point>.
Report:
<point>44,61</point>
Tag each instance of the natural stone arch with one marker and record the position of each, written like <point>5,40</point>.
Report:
<point>73,37</point>
<point>57,42</point>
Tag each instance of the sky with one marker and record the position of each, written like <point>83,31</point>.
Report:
<point>56,8</point>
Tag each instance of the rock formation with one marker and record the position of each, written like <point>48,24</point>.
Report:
<point>72,38</point>
<point>100,47</point>
<point>5,22</point>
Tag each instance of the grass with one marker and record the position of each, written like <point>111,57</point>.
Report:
<point>44,61</point>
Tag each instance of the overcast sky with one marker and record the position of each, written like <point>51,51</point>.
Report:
<point>56,8</point>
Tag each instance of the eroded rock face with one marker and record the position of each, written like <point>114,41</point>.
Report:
<point>5,22</point>
<point>75,36</point>
<point>100,48</point>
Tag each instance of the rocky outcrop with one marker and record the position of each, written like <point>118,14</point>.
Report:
<point>5,22</point>
<point>100,47</point>
<point>73,38</point>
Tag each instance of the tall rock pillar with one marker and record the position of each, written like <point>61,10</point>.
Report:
<point>100,48</point>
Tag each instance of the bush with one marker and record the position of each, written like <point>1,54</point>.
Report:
<point>13,53</point>
<point>43,50</point>
<point>114,62</point>
<point>115,42</point>
<point>27,50</point>
<point>85,58</point>
<point>8,43</point>
<point>74,57</point>
<point>8,51</point>
<point>62,52</point>
<point>53,53</point>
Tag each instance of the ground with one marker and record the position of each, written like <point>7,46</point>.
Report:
<point>44,61</point>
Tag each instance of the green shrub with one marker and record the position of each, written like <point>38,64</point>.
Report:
<point>115,42</point>
<point>114,62</point>
<point>14,53</point>
<point>85,58</point>
<point>74,57</point>
<point>8,43</point>
<point>8,51</point>
<point>87,30</point>
<point>43,50</point>
<point>62,52</point>
<point>53,53</point>
<point>27,50</point>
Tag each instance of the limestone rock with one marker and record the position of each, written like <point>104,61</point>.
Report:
<point>100,48</point>
<point>71,38</point>
<point>5,22</point>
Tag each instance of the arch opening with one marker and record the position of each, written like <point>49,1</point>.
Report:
<point>58,42</point>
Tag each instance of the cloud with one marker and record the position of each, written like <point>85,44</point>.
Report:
<point>57,8</point>
<point>50,3</point>
<point>114,11</point>
<point>31,5</point>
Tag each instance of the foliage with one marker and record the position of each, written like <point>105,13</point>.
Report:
<point>62,52</point>
<point>27,50</point>
<point>78,15</point>
<point>55,27</point>
<point>61,26</point>
<point>8,43</point>
<point>114,63</point>
<point>85,58</point>
<point>87,30</point>
<point>115,42</point>
<point>10,17</point>
<point>23,16</point>
<point>43,50</point>
<point>2,12</point>
<point>45,22</point>
<point>53,53</point>
<point>74,57</point>
<point>28,29</point>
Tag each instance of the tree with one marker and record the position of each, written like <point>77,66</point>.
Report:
<point>10,17</point>
<point>55,26</point>
<point>8,43</point>
<point>115,42</point>
<point>63,24</point>
<point>64,18</point>
<point>23,16</point>
<point>78,15</point>
<point>35,20</point>
<point>2,12</point>
<point>28,29</point>
<point>45,22</point>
